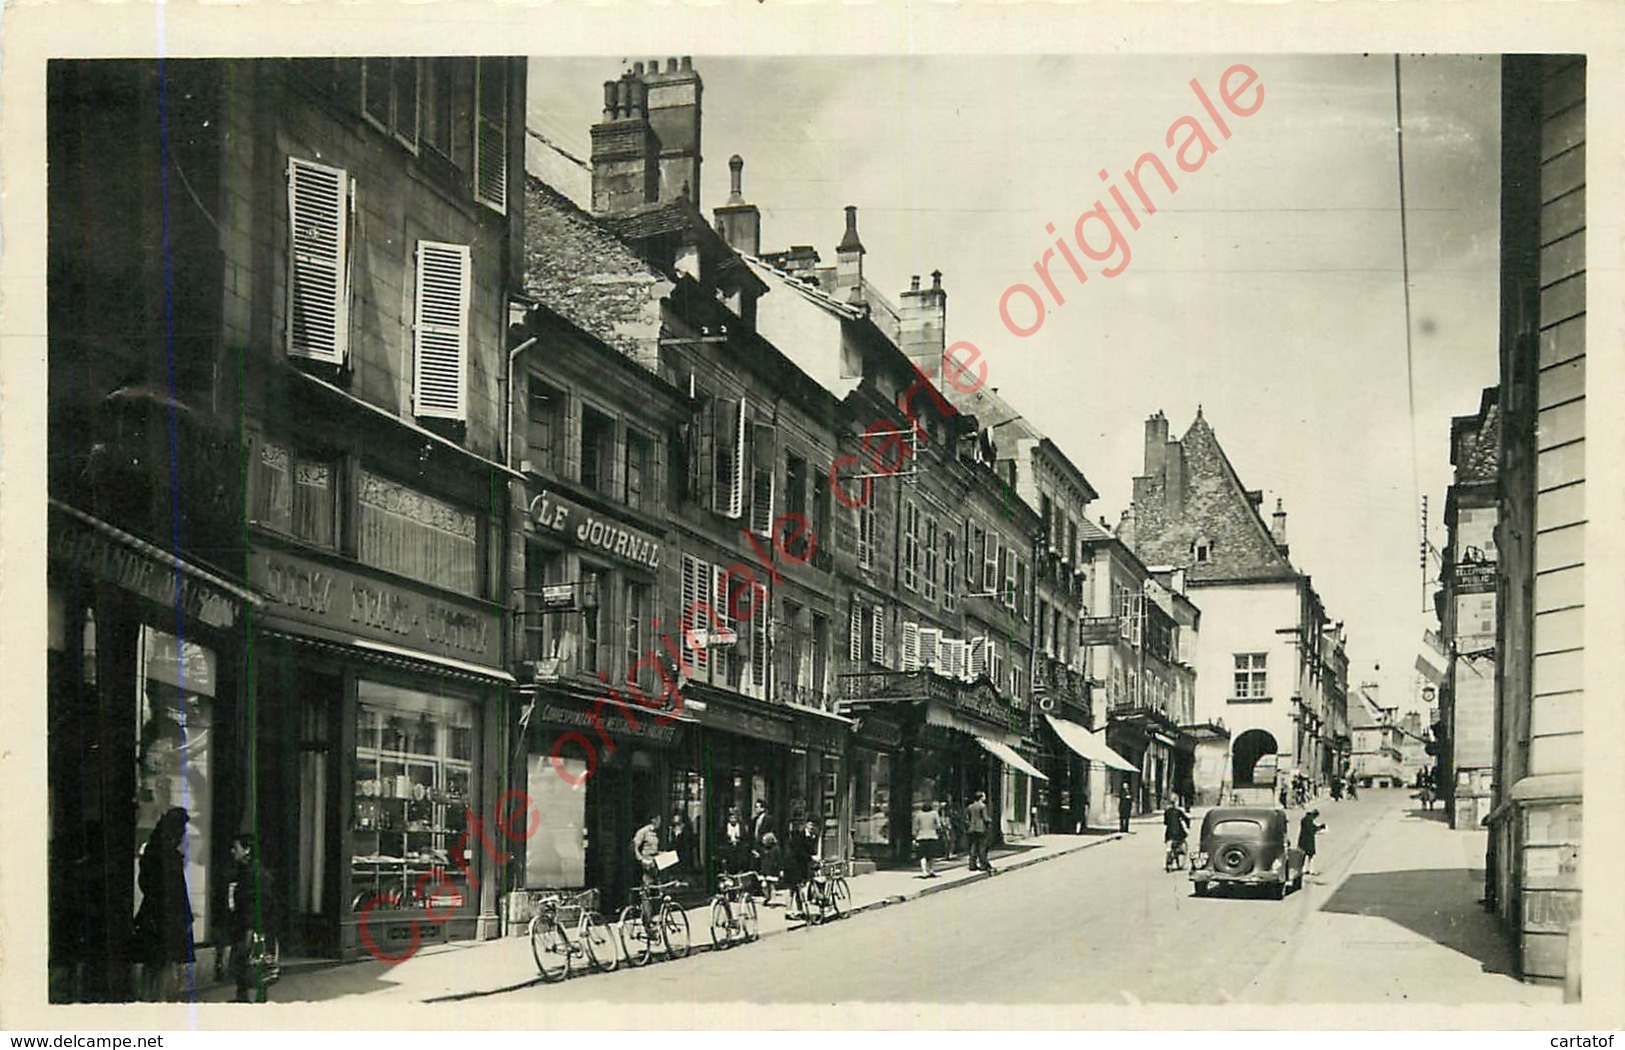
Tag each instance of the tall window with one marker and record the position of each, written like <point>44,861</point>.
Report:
<point>544,427</point>
<point>440,115</point>
<point>592,596</point>
<point>866,536</point>
<point>389,97</point>
<point>294,494</point>
<point>821,511</point>
<point>1252,681</point>
<point>795,503</point>
<point>820,654</point>
<point>637,627</point>
<point>597,450</point>
<point>950,570</point>
<point>930,589</point>
<point>911,545</point>
<point>638,455</point>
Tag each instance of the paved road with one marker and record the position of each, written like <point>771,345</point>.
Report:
<point>1104,925</point>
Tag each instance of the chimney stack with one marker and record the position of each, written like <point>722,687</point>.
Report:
<point>1278,526</point>
<point>849,261</point>
<point>647,146</point>
<point>739,223</point>
<point>1156,443</point>
<point>923,320</point>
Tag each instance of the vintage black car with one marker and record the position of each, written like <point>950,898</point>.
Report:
<point>1246,846</point>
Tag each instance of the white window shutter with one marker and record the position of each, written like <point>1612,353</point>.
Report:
<point>978,658</point>
<point>491,133</point>
<point>877,636</point>
<point>990,567</point>
<point>994,667</point>
<point>440,331</point>
<point>854,645</point>
<point>318,262</point>
<point>719,596</point>
<point>931,648</point>
<point>759,635</point>
<point>911,646</point>
<point>736,485</point>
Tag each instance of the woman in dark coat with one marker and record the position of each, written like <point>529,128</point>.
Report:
<point>798,852</point>
<point>163,923</point>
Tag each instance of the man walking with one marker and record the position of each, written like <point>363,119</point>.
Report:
<point>1125,806</point>
<point>976,825</point>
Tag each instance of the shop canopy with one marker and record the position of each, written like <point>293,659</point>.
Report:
<point>1088,745</point>
<point>1007,754</point>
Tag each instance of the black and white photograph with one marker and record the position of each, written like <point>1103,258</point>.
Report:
<point>1096,533</point>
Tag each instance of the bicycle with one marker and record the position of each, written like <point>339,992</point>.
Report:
<point>725,921</point>
<point>819,892</point>
<point>668,924</point>
<point>1178,855</point>
<point>553,948</point>
<point>840,892</point>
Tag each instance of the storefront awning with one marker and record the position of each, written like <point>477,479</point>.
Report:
<point>1088,745</point>
<point>1007,754</point>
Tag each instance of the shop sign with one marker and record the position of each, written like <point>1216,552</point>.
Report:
<point>746,723</point>
<point>983,701</point>
<point>872,730</point>
<point>82,548</point>
<point>648,728</point>
<point>1099,630</point>
<point>821,734</point>
<point>307,592</point>
<point>569,520</point>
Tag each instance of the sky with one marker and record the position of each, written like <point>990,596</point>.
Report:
<point>1268,289</point>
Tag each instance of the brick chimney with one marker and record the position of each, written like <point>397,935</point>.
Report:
<point>849,261</point>
<point>622,147</point>
<point>646,147</point>
<point>923,316</point>
<point>1278,526</point>
<point>1156,443</point>
<point>739,223</point>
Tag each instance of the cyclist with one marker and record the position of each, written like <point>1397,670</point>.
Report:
<point>645,847</point>
<point>1176,825</point>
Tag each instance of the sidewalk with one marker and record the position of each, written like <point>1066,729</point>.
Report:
<point>1398,920</point>
<point>466,969</point>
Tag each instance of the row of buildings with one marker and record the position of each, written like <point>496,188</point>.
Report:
<point>404,490</point>
<point>1512,599</point>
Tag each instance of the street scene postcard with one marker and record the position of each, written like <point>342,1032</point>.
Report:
<point>811,517</point>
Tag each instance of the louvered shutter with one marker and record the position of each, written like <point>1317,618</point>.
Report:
<point>877,636</point>
<point>491,133</point>
<point>978,658</point>
<point>866,539</point>
<point>911,646</point>
<point>318,262</point>
<point>993,665</point>
<point>440,331</point>
<point>724,602</point>
<point>763,457</point>
<point>759,635</point>
<point>726,422</point>
<point>736,483</point>
<point>854,644</point>
<point>993,565</point>
<point>972,566</point>
<point>956,657</point>
<point>931,648</point>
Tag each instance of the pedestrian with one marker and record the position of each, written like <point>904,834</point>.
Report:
<point>1354,789</point>
<point>948,827</point>
<point>1283,794</point>
<point>798,853</point>
<point>251,901</point>
<point>976,825</point>
<point>1176,827</point>
<point>678,840</point>
<point>1308,828</point>
<point>735,842</point>
<point>163,922</point>
<point>1125,806</point>
<point>761,826</point>
<point>772,868</point>
<point>927,840</point>
<point>645,848</point>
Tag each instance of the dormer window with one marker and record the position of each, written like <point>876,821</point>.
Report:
<point>1202,550</point>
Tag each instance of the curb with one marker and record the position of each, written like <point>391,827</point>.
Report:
<point>896,898</point>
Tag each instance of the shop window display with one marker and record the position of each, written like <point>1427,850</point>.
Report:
<point>413,789</point>
<point>174,752</point>
<point>556,855</point>
<point>871,819</point>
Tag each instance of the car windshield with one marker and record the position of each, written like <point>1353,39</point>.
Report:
<point>1237,827</point>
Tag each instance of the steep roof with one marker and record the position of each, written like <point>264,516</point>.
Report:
<point>1198,495</point>
<point>1475,442</point>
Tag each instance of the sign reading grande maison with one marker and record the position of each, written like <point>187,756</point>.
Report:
<point>566,518</point>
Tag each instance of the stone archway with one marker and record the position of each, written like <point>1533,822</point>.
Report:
<point>1252,759</point>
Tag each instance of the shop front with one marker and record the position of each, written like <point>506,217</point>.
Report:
<point>381,708</point>
<point>740,752</point>
<point>879,813</point>
<point>144,714</point>
<point>817,778</point>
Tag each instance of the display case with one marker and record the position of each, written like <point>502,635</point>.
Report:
<point>413,789</point>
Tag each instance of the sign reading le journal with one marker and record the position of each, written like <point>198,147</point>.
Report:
<point>550,512</point>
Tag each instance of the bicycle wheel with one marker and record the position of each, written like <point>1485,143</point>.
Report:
<point>720,925</point>
<point>634,935</point>
<point>601,944</point>
<point>674,931</point>
<point>832,901</point>
<point>550,948</point>
<point>747,919</point>
<point>843,892</point>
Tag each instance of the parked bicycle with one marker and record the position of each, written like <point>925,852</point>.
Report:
<point>840,892</point>
<point>553,947</point>
<point>666,925</point>
<point>733,913</point>
<point>819,902</point>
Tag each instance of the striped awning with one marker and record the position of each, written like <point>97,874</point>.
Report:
<point>1088,745</point>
